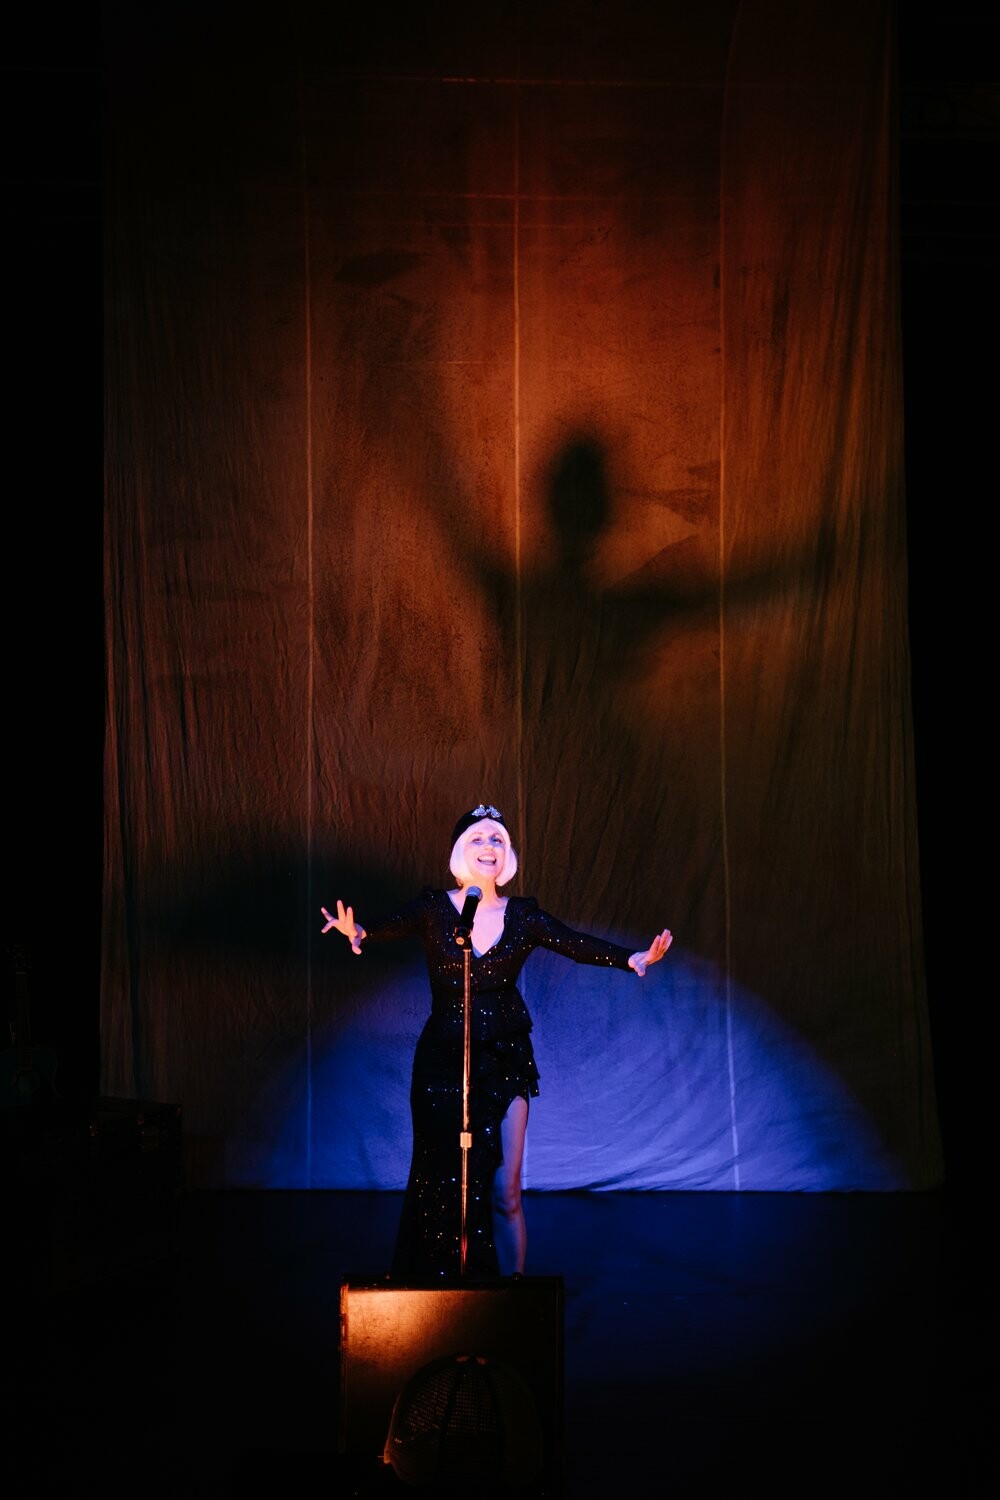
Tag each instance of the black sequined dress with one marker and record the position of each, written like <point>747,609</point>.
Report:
<point>503,1067</point>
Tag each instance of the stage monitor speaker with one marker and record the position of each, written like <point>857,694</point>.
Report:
<point>462,1376</point>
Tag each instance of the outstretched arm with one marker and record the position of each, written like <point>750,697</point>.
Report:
<point>344,922</point>
<point>584,948</point>
<point>640,961</point>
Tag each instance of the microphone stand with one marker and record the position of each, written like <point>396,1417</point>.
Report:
<point>465,1138</point>
<point>463,937</point>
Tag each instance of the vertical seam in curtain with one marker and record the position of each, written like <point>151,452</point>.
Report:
<point>310,629</point>
<point>723,806</point>
<point>518,589</point>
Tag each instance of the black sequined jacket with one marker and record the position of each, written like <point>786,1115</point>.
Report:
<point>497,1008</point>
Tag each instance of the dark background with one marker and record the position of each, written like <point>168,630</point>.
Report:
<point>950,131</point>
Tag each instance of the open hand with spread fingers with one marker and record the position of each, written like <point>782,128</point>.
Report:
<point>344,922</point>
<point>640,961</point>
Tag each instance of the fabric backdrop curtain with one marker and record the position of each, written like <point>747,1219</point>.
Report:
<point>506,406</point>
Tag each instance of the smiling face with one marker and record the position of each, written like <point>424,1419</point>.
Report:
<point>485,849</point>
<point>483,855</point>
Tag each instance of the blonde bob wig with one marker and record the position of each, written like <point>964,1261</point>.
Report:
<point>458,864</point>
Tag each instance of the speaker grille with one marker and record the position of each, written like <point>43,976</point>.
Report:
<point>466,1418</point>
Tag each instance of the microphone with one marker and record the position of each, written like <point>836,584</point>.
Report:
<point>463,928</point>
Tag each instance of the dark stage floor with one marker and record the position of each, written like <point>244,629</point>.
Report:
<point>796,1345</point>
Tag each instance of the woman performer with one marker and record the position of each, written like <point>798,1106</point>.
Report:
<point>503,1071</point>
